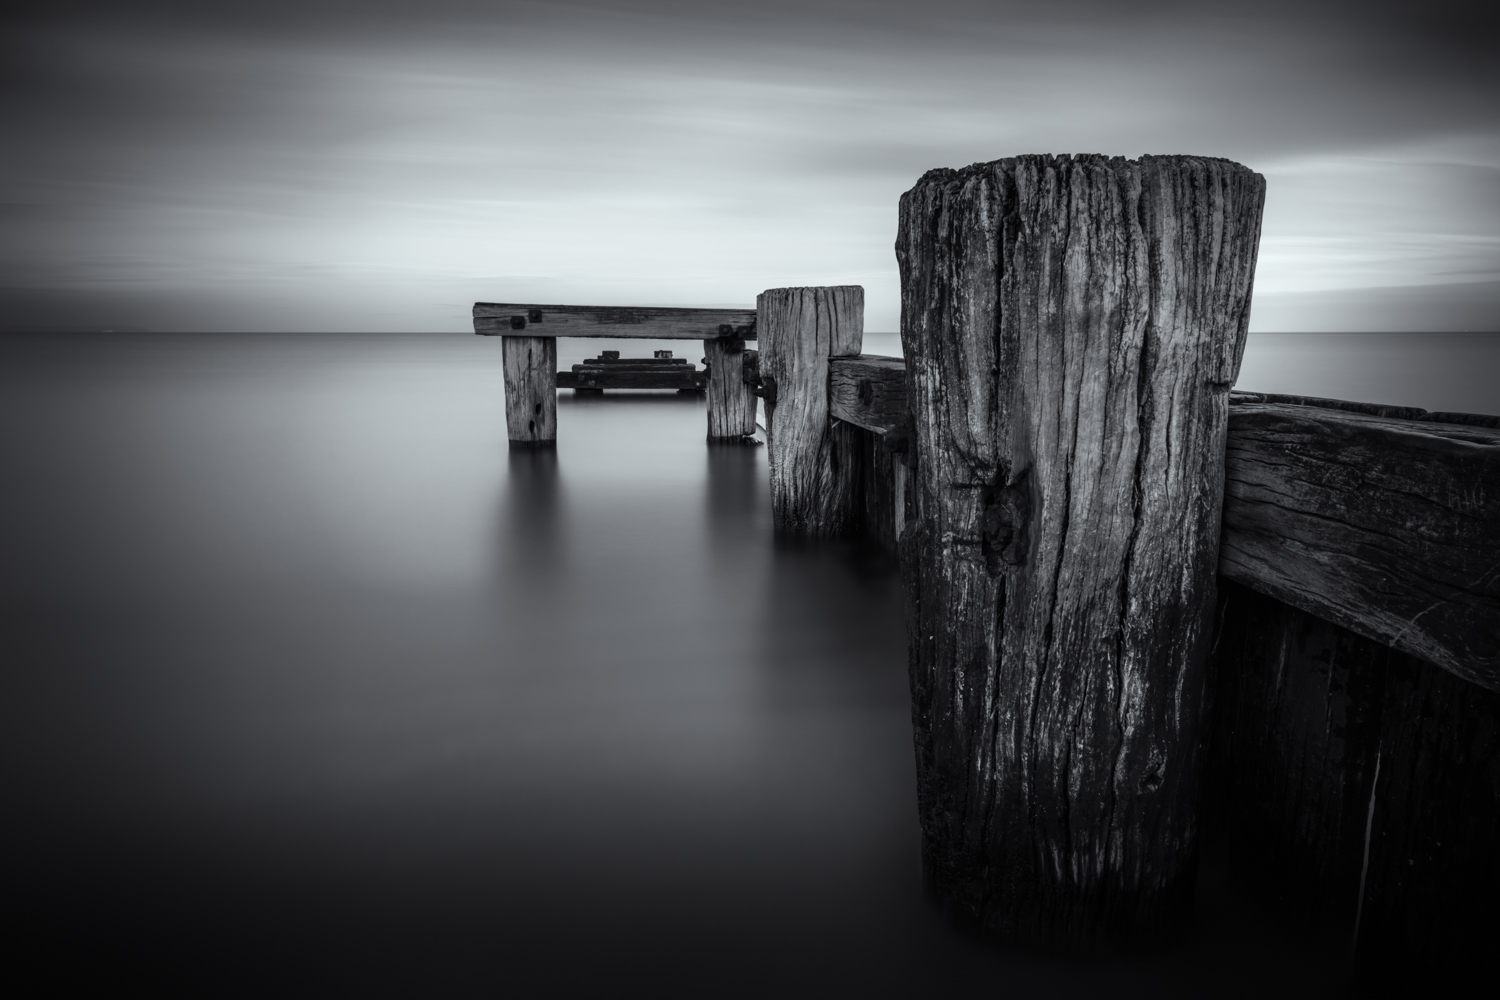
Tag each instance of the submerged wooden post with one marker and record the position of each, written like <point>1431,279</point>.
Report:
<point>731,404</point>
<point>1072,326</point>
<point>530,365</point>
<point>800,329</point>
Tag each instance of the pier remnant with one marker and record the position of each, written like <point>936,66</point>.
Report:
<point>610,371</point>
<point>531,394</point>
<point>731,404</point>
<point>1071,326</point>
<point>530,365</point>
<point>800,329</point>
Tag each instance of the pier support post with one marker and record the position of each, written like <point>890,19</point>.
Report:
<point>800,329</point>
<point>731,404</point>
<point>530,365</point>
<point>1072,326</point>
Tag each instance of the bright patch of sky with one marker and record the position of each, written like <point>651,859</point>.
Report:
<point>216,175</point>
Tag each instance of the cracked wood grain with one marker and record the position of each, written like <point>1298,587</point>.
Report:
<point>1385,525</point>
<point>1072,327</point>
<point>502,319</point>
<point>731,404</point>
<point>868,390</point>
<point>811,461</point>
<point>530,368</point>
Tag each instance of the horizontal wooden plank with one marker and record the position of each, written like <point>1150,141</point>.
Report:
<point>868,391</point>
<point>1389,527</point>
<point>499,319</point>
<point>1374,409</point>
<point>582,377</point>
<point>635,362</point>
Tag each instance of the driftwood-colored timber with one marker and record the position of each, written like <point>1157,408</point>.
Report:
<point>801,328</point>
<point>530,365</point>
<point>1389,527</point>
<point>605,372</point>
<point>1359,788</point>
<point>731,403</point>
<point>869,390</point>
<point>1073,326</point>
<point>1384,519</point>
<point>501,319</point>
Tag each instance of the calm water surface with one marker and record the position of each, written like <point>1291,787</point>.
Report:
<point>311,687</point>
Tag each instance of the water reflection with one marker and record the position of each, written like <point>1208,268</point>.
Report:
<point>265,728</point>
<point>531,508</point>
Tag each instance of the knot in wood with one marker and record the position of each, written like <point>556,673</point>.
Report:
<point>767,389</point>
<point>900,440</point>
<point>750,369</point>
<point>1004,523</point>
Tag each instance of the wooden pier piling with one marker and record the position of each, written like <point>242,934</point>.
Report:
<point>530,367</point>
<point>800,329</point>
<point>731,404</point>
<point>1071,327</point>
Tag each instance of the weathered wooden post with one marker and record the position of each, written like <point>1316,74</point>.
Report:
<point>530,365</point>
<point>731,404</point>
<point>1071,326</point>
<point>800,329</point>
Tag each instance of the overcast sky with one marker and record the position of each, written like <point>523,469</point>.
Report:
<point>369,166</point>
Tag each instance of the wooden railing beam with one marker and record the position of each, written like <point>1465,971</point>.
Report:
<point>504,319</point>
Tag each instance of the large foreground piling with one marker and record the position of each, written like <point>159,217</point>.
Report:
<point>800,329</point>
<point>1071,327</point>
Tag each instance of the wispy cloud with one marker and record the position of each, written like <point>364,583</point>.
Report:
<point>390,167</point>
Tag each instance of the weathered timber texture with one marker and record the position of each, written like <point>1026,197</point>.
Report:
<point>869,390</point>
<point>634,373</point>
<point>731,404</point>
<point>530,365</point>
<point>1374,409</point>
<point>1389,527</point>
<point>1295,733</point>
<point>1428,919</point>
<point>879,509</point>
<point>1072,327</point>
<point>501,319</point>
<point>800,329</point>
<point>1360,790</point>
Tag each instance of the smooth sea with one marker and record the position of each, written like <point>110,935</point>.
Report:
<point>309,686</point>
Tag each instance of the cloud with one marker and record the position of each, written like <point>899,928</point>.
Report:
<point>390,163</point>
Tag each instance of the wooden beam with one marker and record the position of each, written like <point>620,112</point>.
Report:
<point>1388,527</point>
<point>503,319</point>
<point>868,391</point>
<point>681,377</point>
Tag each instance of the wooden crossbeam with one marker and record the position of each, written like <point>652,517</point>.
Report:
<point>868,391</point>
<point>507,319</point>
<point>1389,527</point>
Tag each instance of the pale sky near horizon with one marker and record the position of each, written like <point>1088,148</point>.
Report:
<point>381,166</point>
